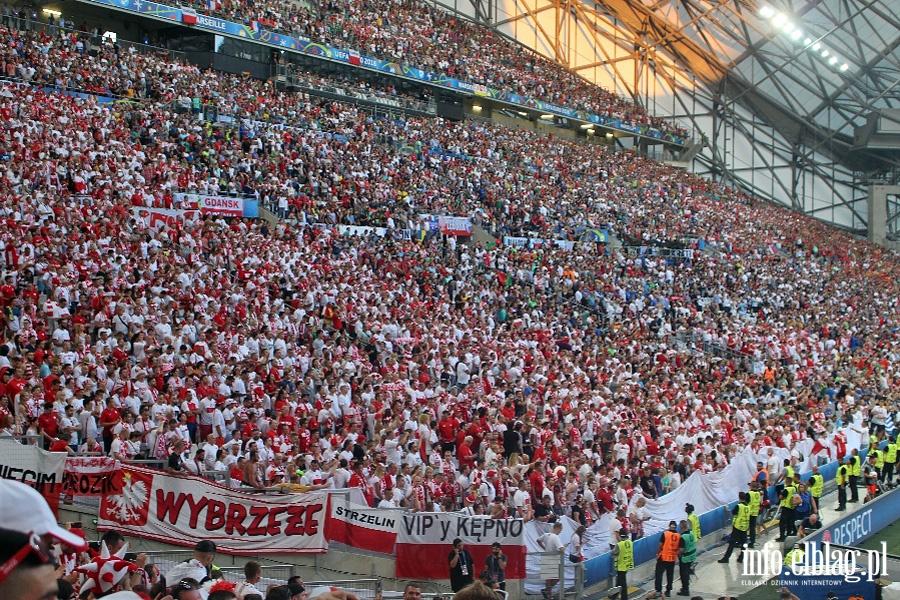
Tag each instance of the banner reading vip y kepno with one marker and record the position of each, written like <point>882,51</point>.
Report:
<point>425,541</point>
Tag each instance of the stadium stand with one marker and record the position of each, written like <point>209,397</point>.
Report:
<point>303,344</point>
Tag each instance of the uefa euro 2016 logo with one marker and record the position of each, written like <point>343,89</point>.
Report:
<point>814,559</point>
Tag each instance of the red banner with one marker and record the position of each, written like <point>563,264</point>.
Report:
<point>92,476</point>
<point>181,510</point>
<point>425,540</point>
<point>363,527</point>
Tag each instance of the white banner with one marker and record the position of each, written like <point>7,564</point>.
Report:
<point>425,539</point>
<point>362,527</point>
<point>182,510</point>
<point>220,205</point>
<point>30,464</point>
<point>157,217</point>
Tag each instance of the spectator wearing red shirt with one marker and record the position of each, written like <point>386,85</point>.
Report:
<point>447,428</point>
<point>537,482</point>
<point>48,424</point>
<point>464,454</point>
<point>109,418</point>
<point>358,480</point>
<point>61,444</point>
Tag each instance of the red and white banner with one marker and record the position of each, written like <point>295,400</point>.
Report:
<point>182,510</point>
<point>188,16</point>
<point>220,205</point>
<point>92,476</point>
<point>455,225</point>
<point>362,527</point>
<point>33,466</point>
<point>425,541</point>
<point>157,217</point>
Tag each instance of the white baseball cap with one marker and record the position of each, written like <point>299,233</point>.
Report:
<point>24,510</point>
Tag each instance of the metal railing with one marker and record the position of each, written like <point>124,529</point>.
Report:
<point>271,574</point>
<point>556,566</point>
<point>365,589</point>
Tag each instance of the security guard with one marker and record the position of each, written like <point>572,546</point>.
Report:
<point>890,459</point>
<point>879,460</point>
<point>688,554</point>
<point>786,524</point>
<point>755,506</point>
<point>694,520</point>
<point>666,557</point>
<point>855,471</point>
<point>796,551</point>
<point>842,479</point>
<point>816,485</point>
<point>623,555</point>
<point>739,527</point>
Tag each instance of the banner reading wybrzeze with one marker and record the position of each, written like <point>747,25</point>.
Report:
<point>362,527</point>
<point>425,540</point>
<point>182,510</point>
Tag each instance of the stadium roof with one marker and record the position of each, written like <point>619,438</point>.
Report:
<point>814,68</point>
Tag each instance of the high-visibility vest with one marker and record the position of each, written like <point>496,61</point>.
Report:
<point>843,475</point>
<point>890,454</point>
<point>755,501</point>
<point>764,482</point>
<point>873,441</point>
<point>790,475</point>
<point>818,486</point>
<point>690,547</point>
<point>854,468</point>
<point>742,518</point>
<point>694,520</point>
<point>671,541</point>
<point>789,557</point>
<point>789,492</point>
<point>625,557</point>
<point>879,458</point>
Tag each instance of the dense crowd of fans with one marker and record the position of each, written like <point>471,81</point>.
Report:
<point>426,372</point>
<point>417,34</point>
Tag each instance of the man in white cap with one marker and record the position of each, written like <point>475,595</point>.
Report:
<point>27,529</point>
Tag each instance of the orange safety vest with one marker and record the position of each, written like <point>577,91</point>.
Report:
<point>669,552</point>
<point>765,479</point>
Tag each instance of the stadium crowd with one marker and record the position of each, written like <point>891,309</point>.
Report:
<point>417,34</point>
<point>426,372</point>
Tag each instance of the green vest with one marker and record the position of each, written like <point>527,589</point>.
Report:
<point>788,558</point>
<point>790,474</point>
<point>818,486</point>
<point>789,492</point>
<point>843,475</point>
<point>755,501</point>
<point>742,518</point>
<point>690,547</point>
<point>625,558</point>
<point>854,469</point>
<point>694,520</point>
<point>879,458</point>
<point>890,454</point>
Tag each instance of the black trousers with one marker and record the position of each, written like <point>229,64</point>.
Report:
<point>737,540</point>
<point>684,572</point>
<point>842,496</point>
<point>620,582</point>
<point>786,525</point>
<point>751,533</point>
<point>668,568</point>
<point>854,488</point>
<point>887,473</point>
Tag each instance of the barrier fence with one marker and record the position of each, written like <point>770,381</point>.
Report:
<point>271,575</point>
